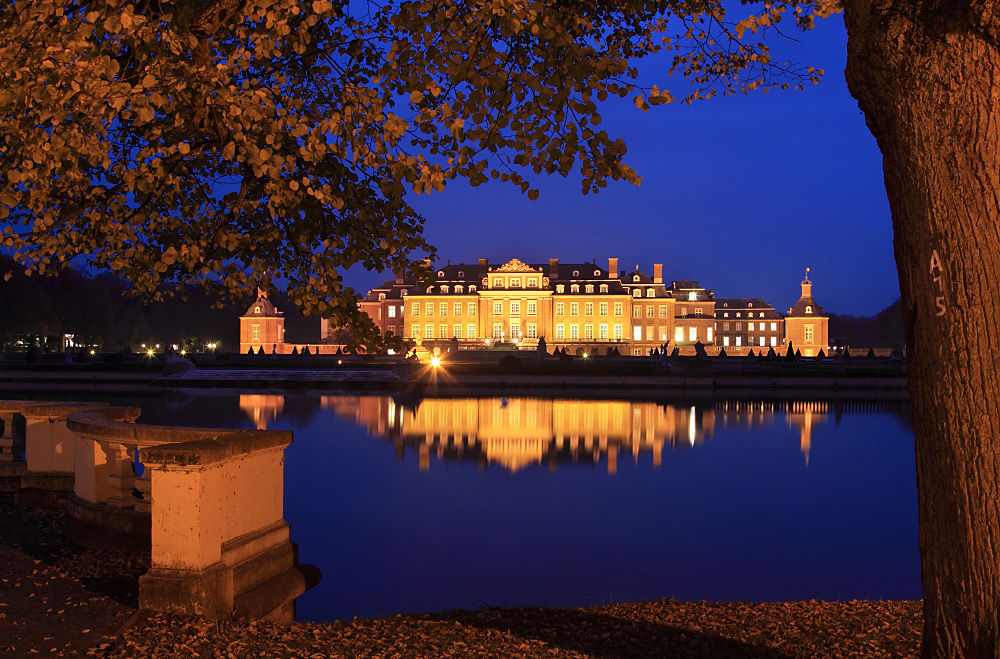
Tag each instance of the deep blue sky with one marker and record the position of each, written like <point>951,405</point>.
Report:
<point>738,193</point>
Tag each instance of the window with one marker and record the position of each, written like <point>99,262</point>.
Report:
<point>255,332</point>
<point>589,308</point>
<point>725,327</point>
<point>456,331</point>
<point>708,335</point>
<point>649,332</point>
<point>739,327</point>
<point>440,273</point>
<point>725,314</point>
<point>392,311</point>
<point>774,341</point>
<point>444,289</point>
<point>560,308</point>
<point>602,332</point>
<point>471,327</point>
<point>739,340</point>
<point>442,331</point>
<point>458,308</point>
<point>692,334</point>
<point>560,288</point>
<point>597,273</point>
<point>443,310</point>
<point>415,311</point>
<point>637,352</point>
<point>574,308</point>
<point>391,330</point>
<point>774,327</point>
<point>604,288</point>
<point>497,330</point>
<point>497,283</point>
<point>650,311</point>
<point>472,308</point>
<point>749,304</point>
<point>588,332</point>
<point>760,315</point>
<point>618,332</point>
<point>533,282</point>
<point>636,292</point>
<point>532,331</point>
<point>678,334</point>
<point>662,332</point>
<point>472,288</point>
<point>532,308</point>
<point>737,314</point>
<point>575,288</point>
<point>416,330</point>
<point>589,288</point>
<point>560,332</point>
<point>458,288</point>
<point>257,309</point>
<point>750,326</point>
<point>650,292</point>
<point>515,330</point>
<point>725,341</point>
<point>403,293</point>
<point>429,309</point>
<point>636,311</point>
<point>637,333</point>
<point>809,308</point>
<point>809,333</point>
<point>574,332</point>
<point>604,308</point>
<point>461,273</point>
<point>428,331</point>
<point>635,277</point>
<point>576,273</point>
<point>515,282</point>
<point>515,308</point>
<point>697,311</point>
<point>663,311</point>
<point>498,308</point>
<point>692,296</point>
<point>762,341</point>
<point>618,308</point>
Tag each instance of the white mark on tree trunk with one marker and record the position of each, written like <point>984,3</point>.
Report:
<point>936,265</point>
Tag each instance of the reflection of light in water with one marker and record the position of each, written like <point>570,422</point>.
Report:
<point>691,426</point>
<point>262,408</point>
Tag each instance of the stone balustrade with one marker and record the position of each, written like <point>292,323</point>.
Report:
<point>208,504</point>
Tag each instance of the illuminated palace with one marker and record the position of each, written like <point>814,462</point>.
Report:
<point>584,307</point>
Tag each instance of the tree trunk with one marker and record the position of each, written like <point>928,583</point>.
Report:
<point>927,77</point>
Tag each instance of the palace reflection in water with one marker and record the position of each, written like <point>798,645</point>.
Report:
<point>515,433</point>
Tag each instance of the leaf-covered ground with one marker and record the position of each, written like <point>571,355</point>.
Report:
<point>645,629</point>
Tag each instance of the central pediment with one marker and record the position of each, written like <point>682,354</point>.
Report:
<point>515,265</point>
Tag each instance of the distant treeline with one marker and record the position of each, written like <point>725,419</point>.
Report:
<point>883,330</point>
<point>98,310</point>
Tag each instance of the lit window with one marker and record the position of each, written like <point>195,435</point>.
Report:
<point>618,332</point>
<point>515,308</point>
<point>588,332</point>
<point>392,311</point>
<point>650,311</point>
<point>559,308</point>
<point>560,288</point>
<point>532,331</point>
<point>428,331</point>
<point>532,308</point>
<point>618,308</point>
<point>725,314</point>
<point>574,309</point>
<point>737,314</point>
<point>663,311</point>
<point>602,332</point>
<point>457,331</point>
<point>693,296</point>
<point>739,340</point>
<point>679,334</point>
<point>774,340</point>
<point>725,341</point>
<point>604,288</point>
<point>458,288</point>
<point>708,334</point>
<point>650,292</point>
<point>649,332</point>
<point>604,308</point>
<point>774,327</point>
<point>471,327</point>
<point>749,304</point>
<point>637,311</point>
<point>762,341</point>
<point>662,332</point>
<point>498,308</point>
<point>636,292</point>
<point>750,326</point>
<point>637,333</point>
<point>575,288</point>
<point>809,308</point>
<point>444,309</point>
<point>444,289</point>
<point>589,288</point>
<point>574,332</point>
<point>256,309</point>
<point>809,334</point>
<point>403,293</point>
<point>589,308</point>
<point>560,332</point>
<point>429,309</point>
<point>458,308</point>
<point>472,308</point>
<point>515,282</point>
<point>760,315</point>
<point>692,334</point>
<point>416,309</point>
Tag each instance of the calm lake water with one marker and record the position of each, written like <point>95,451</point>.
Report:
<point>416,506</point>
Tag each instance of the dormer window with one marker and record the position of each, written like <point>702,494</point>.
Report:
<point>597,273</point>
<point>497,283</point>
<point>472,288</point>
<point>809,309</point>
<point>650,292</point>
<point>403,292</point>
<point>636,292</point>
<point>461,273</point>
<point>576,273</point>
<point>515,282</point>
<point>589,288</point>
<point>560,288</point>
<point>604,288</point>
<point>725,304</point>
<point>737,314</point>
<point>532,283</point>
<point>444,289</point>
<point>256,309</point>
<point>575,288</point>
<point>381,296</point>
<point>749,304</point>
<point>440,273</point>
<point>635,277</point>
<point>760,315</point>
<point>693,296</point>
<point>458,288</point>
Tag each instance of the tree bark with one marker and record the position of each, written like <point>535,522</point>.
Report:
<point>926,74</point>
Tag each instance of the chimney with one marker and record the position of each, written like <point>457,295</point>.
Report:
<point>483,267</point>
<point>807,287</point>
<point>657,273</point>
<point>399,274</point>
<point>553,268</point>
<point>612,268</point>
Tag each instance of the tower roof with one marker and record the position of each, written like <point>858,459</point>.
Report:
<point>262,308</point>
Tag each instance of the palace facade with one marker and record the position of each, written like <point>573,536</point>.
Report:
<point>585,308</point>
